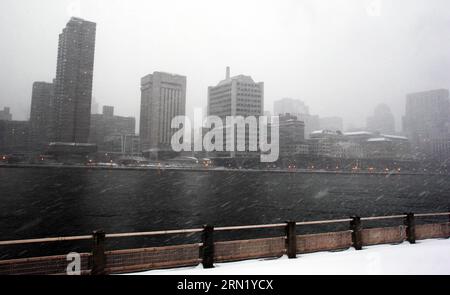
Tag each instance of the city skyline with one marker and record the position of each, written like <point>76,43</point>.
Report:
<point>320,79</point>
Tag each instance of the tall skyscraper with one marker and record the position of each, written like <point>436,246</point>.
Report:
<point>71,107</point>
<point>41,98</point>
<point>236,96</point>
<point>163,97</point>
<point>426,123</point>
<point>382,120</point>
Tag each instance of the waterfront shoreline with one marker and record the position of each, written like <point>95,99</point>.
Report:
<point>219,169</point>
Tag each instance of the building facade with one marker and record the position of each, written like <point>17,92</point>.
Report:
<point>163,97</point>
<point>326,143</point>
<point>426,123</point>
<point>41,98</point>
<point>14,136</point>
<point>111,133</point>
<point>291,136</point>
<point>297,108</point>
<point>382,120</point>
<point>290,105</point>
<point>71,106</point>
<point>237,96</point>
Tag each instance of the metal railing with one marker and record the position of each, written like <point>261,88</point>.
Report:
<point>207,241</point>
<point>223,228</point>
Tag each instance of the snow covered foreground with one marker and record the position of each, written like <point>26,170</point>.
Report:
<point>425,257</point>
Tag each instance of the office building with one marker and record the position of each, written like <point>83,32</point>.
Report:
<point>112,133</point>
<point>14,136</point>
<point>291,135</point>
<point>426,123</point>
<point>297,108</point>
<point>41,98</point>
<point>163,97</point>
<point>237,96</point>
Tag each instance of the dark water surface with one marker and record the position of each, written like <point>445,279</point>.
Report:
<point>46,202</point>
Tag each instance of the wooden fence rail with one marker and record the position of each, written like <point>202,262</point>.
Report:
<point>209,251</point>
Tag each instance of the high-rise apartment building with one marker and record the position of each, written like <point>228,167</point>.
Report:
<point>41,98</point>
<point>163,97</point>
<point>71,106</point>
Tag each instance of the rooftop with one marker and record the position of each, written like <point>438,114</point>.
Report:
<point>378,139</point>
<point>395,136</point>
<point>358,133</point>
<point>240,78</point>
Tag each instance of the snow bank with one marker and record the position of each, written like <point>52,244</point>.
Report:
<point>425,257</point>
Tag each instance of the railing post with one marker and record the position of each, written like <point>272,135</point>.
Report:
<point>355,226</point>
<point>98,253</point>
<point>291,239</point>
<point>410,228</point>
<point>208,246</point>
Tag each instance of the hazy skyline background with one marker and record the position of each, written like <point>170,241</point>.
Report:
<point>341,58</point>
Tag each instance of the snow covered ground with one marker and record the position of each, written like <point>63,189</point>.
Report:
<point>424,257</point>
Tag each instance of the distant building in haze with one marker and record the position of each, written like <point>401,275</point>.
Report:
<point>426,123</point>
<point>94,106</point>
<point>298,108</point>
<point>382,120</point>
<point>290,105</point>
<point>331,123</point>
<point>40,114</point>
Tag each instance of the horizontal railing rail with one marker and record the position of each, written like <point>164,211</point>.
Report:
<point>155,233</point>
<point>383,217</point>
<point>45,240</point>
<point>323,221</point>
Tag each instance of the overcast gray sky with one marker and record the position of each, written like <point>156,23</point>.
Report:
<point>342,57</point>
